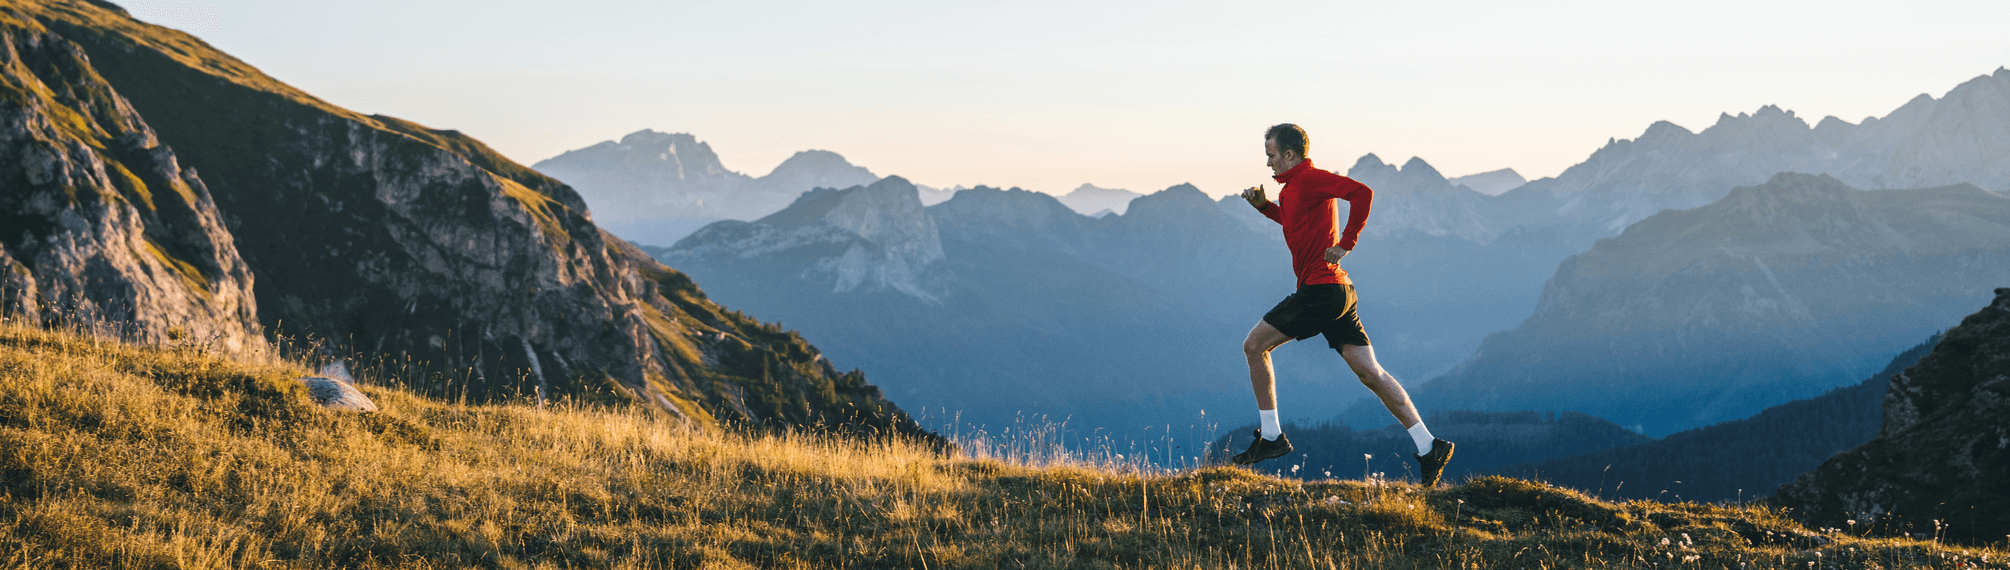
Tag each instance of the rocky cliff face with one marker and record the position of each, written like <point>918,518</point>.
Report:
<point>1776,292</point>
<point>367,236</point>
<point>99,224</point>
<point>863,238</point>
<point>1941,462</point>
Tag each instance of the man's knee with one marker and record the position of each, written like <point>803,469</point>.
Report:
<point>1254,347</point>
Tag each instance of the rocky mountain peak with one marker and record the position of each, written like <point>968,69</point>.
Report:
<point>1662,130</point>
<point>1768,122</point>
<point>864,238</point>
<point>1492,182</point>
<point>1178,200</point>
<point>888,211</point>
<point>1007,207</point>
<point>1369,165</point>
<point>1414,175</point>
<point>1418,169</point>
<point>649,138</point>
<point>1088,189</point>
<point>1090,198</point>
<point>817,162</point>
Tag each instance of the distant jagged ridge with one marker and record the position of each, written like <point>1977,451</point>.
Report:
<point>655,188</point>
<point>378,240</point>
<point>1961,137</point>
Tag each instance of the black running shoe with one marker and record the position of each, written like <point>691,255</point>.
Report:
<point>1433,463</point>
<point>1262,449</point>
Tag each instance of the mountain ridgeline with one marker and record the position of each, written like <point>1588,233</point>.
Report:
<point>1963,137</point>
<point>1778,291</point>
<point>656,188</point>
<point>182,195</point>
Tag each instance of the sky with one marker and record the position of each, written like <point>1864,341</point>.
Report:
<point>1048,95</point>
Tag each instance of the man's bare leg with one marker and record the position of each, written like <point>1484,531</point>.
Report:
<point>1262,377</point>
<point>1362,360</point>
<point>1270,441</point>
<point>1432,453</point>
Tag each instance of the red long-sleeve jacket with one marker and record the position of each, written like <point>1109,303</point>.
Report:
<point>1304,206</point>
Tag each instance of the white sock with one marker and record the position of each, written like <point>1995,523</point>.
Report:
<point>1270,428</point>
<point>1422,436</point>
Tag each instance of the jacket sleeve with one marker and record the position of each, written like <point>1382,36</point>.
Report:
<point>1359,200</point>
<point>1270,210</point>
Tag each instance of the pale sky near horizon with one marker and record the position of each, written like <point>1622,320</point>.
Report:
<point>1047,95</point>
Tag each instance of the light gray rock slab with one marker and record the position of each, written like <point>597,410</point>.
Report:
<point>337,395</point>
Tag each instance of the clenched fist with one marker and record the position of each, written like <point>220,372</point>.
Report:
<point>1255,197</point>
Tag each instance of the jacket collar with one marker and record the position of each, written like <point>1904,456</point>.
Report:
<point>1285,178</point>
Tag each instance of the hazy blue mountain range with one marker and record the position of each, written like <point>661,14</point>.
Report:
<point>1745,458</point>
<point>1776,291</point>
<point>1963,136</point>
<point>930,195</point>
<point>174,193</point>
<point>1119,321</point>
<point>1493,182</point>
<point>1079,305</point>
<point>1090,199</point>
<point>655,188</point>
<point>995,302</point>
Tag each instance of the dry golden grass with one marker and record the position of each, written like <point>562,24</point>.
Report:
<point>121,456</point>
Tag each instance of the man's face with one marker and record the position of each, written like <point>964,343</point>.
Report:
<point>1280,161</point>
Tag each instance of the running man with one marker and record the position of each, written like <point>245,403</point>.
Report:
<point>1324,303</point>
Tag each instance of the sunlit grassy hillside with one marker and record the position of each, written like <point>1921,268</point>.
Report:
<point>122,456</point>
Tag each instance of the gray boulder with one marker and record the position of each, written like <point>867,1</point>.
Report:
<point>337,395</point>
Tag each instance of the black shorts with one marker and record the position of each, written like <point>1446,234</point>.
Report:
<point>1320,309</point>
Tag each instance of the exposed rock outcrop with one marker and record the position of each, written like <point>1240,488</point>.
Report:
<point>863,238</point>
<point>420,252</point>
<point>1941,462</point>
<point>99,224</point>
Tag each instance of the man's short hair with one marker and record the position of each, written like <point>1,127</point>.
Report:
<point>1289,137</point>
